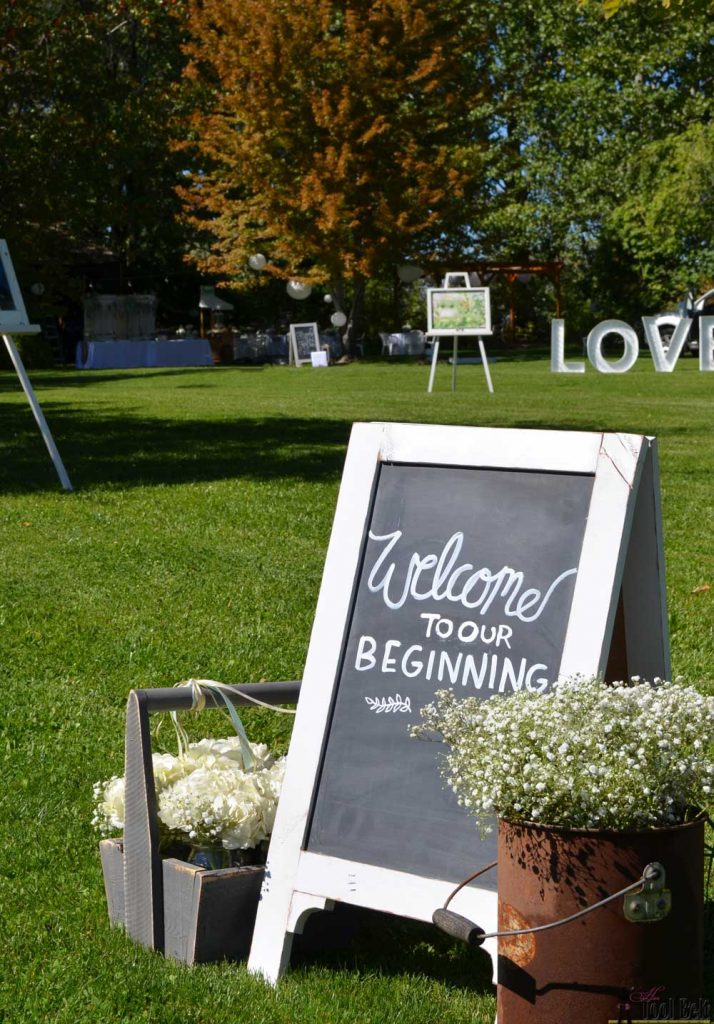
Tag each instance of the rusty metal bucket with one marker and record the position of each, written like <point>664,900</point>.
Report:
<point>601,967</point>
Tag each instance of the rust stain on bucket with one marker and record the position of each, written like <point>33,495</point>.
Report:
<point>521,949</point>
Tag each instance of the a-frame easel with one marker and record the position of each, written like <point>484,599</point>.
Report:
<point>14,320</point>
<point>616,627</point>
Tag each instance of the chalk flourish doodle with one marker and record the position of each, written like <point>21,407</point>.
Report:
<point>395,703</point>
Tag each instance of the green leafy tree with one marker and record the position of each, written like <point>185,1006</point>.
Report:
<point>592,119</point>
<point>666,221</point>
<point>612,7</point>
<point>88,94</point>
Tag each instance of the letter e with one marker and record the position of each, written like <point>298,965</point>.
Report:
<point>388,664</point>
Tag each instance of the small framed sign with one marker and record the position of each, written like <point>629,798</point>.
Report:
<point>457,311</point>
<point>304,340</point>
<point>13,318</point>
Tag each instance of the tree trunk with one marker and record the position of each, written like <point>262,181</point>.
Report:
<point>355,323</point>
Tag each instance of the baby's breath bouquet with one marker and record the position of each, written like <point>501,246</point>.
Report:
<point>618,757</point>
<point>206,795</point>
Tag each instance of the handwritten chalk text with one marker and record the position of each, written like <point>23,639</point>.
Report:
<point>438,577</point>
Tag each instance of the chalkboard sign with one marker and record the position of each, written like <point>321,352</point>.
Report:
<point>486,561</point>
<point>304,340</point>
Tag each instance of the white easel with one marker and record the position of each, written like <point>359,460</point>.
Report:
<point>435,359</point>
<point>13,319</point>
<point>458,281</point>
<point>617,621</point>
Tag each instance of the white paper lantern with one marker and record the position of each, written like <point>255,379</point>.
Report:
<point>327,297</point>
<point>298,290</point>
<point>338,319</point>
<point>409,272</point>
<point>257,261</point>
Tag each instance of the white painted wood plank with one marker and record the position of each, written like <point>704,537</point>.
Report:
<point>302,905</point>
<point>484,363</point>
<point>395,892</point>
<point>271,942</point>
<point>37,412</point>
<point>434,360</point>
<point>597,585</point>
<point>545,450</point>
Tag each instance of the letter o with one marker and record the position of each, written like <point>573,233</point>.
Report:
<point>449,628</point>
<point>473,631</point>
<point>629,338</point>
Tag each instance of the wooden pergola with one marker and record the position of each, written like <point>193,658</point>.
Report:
<point>512,273</point>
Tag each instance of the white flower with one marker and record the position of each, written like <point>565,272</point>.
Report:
<point>607,756</point>
<point>206,794</point>
<point>109,799</point>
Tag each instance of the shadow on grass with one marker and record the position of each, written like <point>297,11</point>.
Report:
<point>131,452</point>
<point>388,945</point>
<point>392,946</point>
<point>71,378</point>
<point>101,449</point>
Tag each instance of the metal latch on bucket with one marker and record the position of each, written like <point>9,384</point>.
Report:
<point>651,902</point>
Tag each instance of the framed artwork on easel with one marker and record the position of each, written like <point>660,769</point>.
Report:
<point>459,311</point>
<point>455,310</point>
<point>13,318</point>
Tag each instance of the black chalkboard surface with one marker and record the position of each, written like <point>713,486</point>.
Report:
<point>422,621</point>
<point>304,339</point>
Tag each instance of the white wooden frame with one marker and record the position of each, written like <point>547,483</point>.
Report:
<point>483,328</point>
<point>296,359</point>
<point>624,494</point>
<point>15,320</point>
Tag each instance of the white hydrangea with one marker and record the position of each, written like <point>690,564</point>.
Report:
<point>213,752</point>
<point>223,803</point>
<point>109,805</point>
<point>205,795</point>
<point>586,755</point>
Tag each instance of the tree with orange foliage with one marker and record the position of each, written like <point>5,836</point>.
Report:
<point>335,136</point>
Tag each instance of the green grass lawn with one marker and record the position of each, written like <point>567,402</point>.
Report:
<point>193,546</point>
